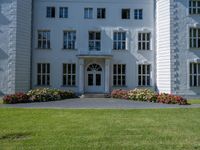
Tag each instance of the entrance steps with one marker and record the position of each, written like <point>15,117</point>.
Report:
<point>95,95</point>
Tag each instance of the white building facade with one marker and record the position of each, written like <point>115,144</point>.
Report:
<point>97,46</point>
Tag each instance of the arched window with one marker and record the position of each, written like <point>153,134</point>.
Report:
<point>94,67</point>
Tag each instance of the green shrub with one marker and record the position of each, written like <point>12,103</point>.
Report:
<point>142,95</point>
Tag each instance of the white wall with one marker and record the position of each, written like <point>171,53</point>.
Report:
<point>15,35</point>
<point>56,55</point>
<point>163,45</point>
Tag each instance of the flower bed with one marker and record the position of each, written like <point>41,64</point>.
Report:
<point>149,96</point>
<point>38,95</point>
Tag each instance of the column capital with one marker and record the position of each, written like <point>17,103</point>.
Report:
<point>81,61</point>
<point>107,62</point>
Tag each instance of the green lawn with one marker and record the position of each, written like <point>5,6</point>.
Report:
<point>159,129</point>
<point>194,101</point>
<point>1,101</point>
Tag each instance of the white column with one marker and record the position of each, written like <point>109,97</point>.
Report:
<point>107,75</point>
<point>81,76</point>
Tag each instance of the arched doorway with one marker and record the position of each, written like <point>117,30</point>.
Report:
<point>94,77</point>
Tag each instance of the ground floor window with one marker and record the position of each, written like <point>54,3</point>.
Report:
<point>194,74</point>
<point>69,74</point>
<point>43,74</point>
<point>119,75</point>
<point>144,75</point>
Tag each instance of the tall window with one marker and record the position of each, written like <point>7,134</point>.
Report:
<point>144,75</point>
<point>51,12</point>
<point>63,12</point>
<point>138,13</point>
<point>119,75</point>
<point>119,40</point>
<point>144,41</point>
<point>194,37</point>
<point>101,13</point>
<point>194,7</point>
<point>44,39</point>
<point>43,74</point>
<point>69,74</point>
<point>195,74</point>
<point>88,13</point>
<point>125,13</point>
<point>94,41</point>
<point>69,38</point>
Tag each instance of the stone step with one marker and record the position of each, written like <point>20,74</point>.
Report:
<point>94,95</point>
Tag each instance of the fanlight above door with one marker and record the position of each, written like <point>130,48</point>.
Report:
<point>94,67</point>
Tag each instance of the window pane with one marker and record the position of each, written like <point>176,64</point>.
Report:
<point>98,79</point>
<point>90,79</point>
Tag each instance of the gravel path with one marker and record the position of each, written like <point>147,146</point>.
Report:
<point>97,103</point>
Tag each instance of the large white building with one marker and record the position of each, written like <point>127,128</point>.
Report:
<point>95,46</point>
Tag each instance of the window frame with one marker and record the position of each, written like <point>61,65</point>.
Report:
<point>46,74</point>
<point>194,10</point>
<point>41,42</point>
<point>142,75</point>
<point>120,82</point>
<point>94,41</point>
<point>118,41</point>
<point>88,13</point>
<point>67,47</point>
<point>194,42</point>
<point>128,13</point>
<point>69,75</point>
<point>50,13</point>
<point>146,41</point>
<point>138,14</point>
<point>63,12</point>
<point>101,14</point>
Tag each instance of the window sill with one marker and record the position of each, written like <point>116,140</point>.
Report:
<point>194,49</point>
<point>67,86</point>
<point>144,50</point>
<point>115,50</point>
<point>42,86</point>
<point>65,49</point>
<point>148,86</point>
<point>43,48</point>
<point>120,86</point>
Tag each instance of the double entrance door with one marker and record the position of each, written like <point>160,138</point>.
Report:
<point>94,77</point>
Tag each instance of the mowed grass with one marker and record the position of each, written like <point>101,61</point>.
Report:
<point>194,101</point>
<point>160,129</point>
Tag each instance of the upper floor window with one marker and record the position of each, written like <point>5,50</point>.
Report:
<point>195,38</point>
<point>69,74</point>
<point>44,39</point>
<point>195,74</point>
<point>51,12</point>
<point>69,39</point>
<point>119,40</point>
<point>63,12</point>
<point>144,41</point>
<point>138,13</point>
<point>125,14</point>
<point>94,41</point>
<point>143,75</point>
<point>101,13</point>
<point>88,13</point>
<point>194,7</point>
<point>43,74</point>
<point>119,75</point>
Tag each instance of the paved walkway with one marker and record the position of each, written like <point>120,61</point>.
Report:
<point>101,103</point>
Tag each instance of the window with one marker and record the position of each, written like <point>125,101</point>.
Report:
<point>69,74</point>
<point>194,7</point>
<point>119,40</point>
<point>125,13</point>
<point>63,12</point>
<point>119,75</point>
<point>101,13</point>
<point>144,41</point>
<point>69,38</point>
<point>195,74</point>
<point>44,39</point>
<point>138,13</point>
<point>51,12</point>
<point>94,41</point>
<point>88,13</point>
<point>43,74</point>
<point>194,37</point>
<point>143,75</point>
